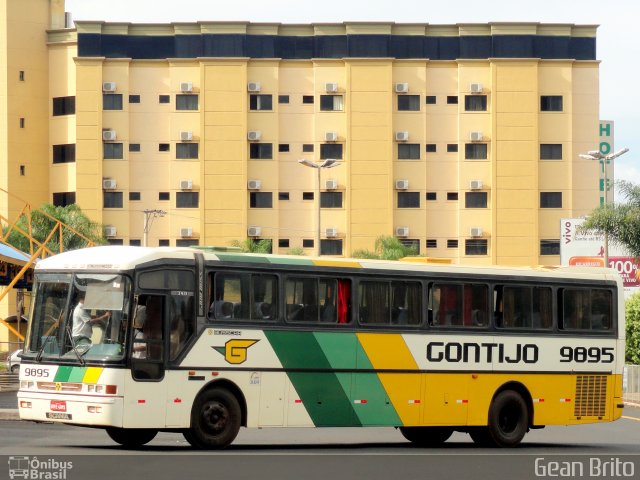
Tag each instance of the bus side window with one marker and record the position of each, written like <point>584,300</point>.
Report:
<point>230,299</point>
<point>182,315</point>
<point>601,302</point>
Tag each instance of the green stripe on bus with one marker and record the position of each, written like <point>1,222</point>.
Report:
<point>322,394</point>
<point>77,374</point>
<point>230,257</point>
<point>290,261</point>
<point>63,374</point>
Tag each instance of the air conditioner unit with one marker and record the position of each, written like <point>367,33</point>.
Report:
<point>186,136</point>
<point>109,86</point>
<point>331,232</point>
<point>475,136</point>
<point>186,87</point>
<point>475,231</point>
<point>475,185</point>
<point>402,136</point>
<point>254,135</point>
<point>253,86</point>
<point>109,184</point>
<point>254,184</point>
<point>186,184</point>
<point>254,231</point>
<point>402,231</point>
<point>402,184</point>
<point>402,87</point>
<point>109,135</point>
<point>331,87</point>
<point>476,88</point>
<point>186,232</point>
<point>110,231</point>
<point>331,184</point>
<point>331,136</point>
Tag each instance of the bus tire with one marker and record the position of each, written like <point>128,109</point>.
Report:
<point>508,420</point>
<point>426,436</point>
<point>215,419</point>
<point>131,437</point>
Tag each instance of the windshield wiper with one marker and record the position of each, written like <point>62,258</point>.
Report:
<point>41,349</point>
<point>73,345</point>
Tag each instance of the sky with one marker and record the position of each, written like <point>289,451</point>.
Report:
<point>616,47</point>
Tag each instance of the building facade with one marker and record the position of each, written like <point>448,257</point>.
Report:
<point>459,139</point>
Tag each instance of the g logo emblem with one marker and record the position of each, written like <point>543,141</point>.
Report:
<point>235,351</point>
<point>58,386</point>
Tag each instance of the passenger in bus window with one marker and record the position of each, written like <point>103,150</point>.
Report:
<point>83,321</point>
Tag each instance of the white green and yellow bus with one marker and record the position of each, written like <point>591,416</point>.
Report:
<point>205,342</point>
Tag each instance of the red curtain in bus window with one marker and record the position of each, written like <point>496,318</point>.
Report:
<point>344,299</point>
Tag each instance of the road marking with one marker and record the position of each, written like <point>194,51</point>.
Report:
<point>631,418</point>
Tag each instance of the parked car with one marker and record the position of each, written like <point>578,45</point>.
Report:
<point>13,361</point>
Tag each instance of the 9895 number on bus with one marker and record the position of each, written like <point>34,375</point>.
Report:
<point>586,354</point>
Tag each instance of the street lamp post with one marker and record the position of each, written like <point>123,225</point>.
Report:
<point>328,163</point>
<point>604,160</point>
<point>149,217</point>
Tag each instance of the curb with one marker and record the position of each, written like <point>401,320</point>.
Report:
<point>9,414</point>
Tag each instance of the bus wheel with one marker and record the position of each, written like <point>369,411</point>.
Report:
<point>215,419</point>
<point>426,436</point>
<point>508,420</point>
<point>131,437</point>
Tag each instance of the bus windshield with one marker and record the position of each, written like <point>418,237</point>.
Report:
<point>79,317</point>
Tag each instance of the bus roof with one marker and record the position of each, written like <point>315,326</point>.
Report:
<point>126,258</point>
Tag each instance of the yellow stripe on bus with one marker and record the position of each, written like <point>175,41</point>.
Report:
<point>92,375</point>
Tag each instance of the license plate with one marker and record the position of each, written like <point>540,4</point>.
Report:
<point>58,406</point>
<point>59,416</point>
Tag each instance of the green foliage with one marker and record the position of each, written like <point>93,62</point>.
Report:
<point>296,251</point>
<point>632,313</point>
<point>250,245</point>
<point>42,225</point>
<point>386,248</point>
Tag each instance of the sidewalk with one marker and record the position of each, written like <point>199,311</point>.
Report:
<point>9,414</point>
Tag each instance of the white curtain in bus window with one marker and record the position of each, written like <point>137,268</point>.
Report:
<point>105,293</point>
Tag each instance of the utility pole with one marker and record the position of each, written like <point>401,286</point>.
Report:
<point>149,217</point>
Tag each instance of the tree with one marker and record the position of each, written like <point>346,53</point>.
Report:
<point>621,221</point>
<point>42,224</point>
<point>386,248</point>
<point>632,313</point>
<point>250,245</point>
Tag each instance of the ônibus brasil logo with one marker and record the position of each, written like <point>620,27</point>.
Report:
<point>235,351</point>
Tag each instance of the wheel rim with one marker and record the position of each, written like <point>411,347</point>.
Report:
<point>509,418</point>
<point>215,417</point>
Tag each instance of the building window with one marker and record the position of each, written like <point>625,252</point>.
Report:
<point>261,151</point>
<point>307,196</point>
<point>283,99</point>
<point>452,195</point>
<point>432,243</point>
<point>112,101</point>
<point>432,196</point>
<point>134,98</point>
<point>475,151</point>
<point>408,103</point>
<point>164,196</point>
<point>408,151</point>
<point>260,102</point>
<point>64,106</point>
<point>164,98</point>
<point>307,99</point>
<point>408,199</point>
<point>187,151</point>
<point>22,170</point>
<point>451,243</point>
<point>187,199</point>
<point>549,247</point>
<point>331,150</point>
<point>21,75</point>
<point>476,246</point>
<point>115,241</point>
<point>163,242</point>
<point>21,122</point>
<point>475,103</point>
<point>133,196</point>
<point>307,243</point>
<point>550,151</point>
<point>164,147</point>
<point>283,195</point>
<point>186,101</point>
<point>112,151</point>
<point>551,103</point>
<point>452,99</point>
<point>62,199</point>
<point>331,103</point>
<point>187,242</point>
<point>260,200</point>
<point>330,199</point>
<point>431,100</point>
<point>64,153</point>
<point>135,242</point>
<point>307,147</point>
<point>475,200</point>
<point>550,199</point>
<point>112,199</point>
<point>134,147</point>
<point>431,148</point>
<point>412,244</point>
<point>452,147</point>
<point>283,147</point>
<point>283,243</point>
<point>330,247</point>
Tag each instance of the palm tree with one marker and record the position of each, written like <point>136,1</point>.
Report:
<point>250,245</point>
<point>386,248</point>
